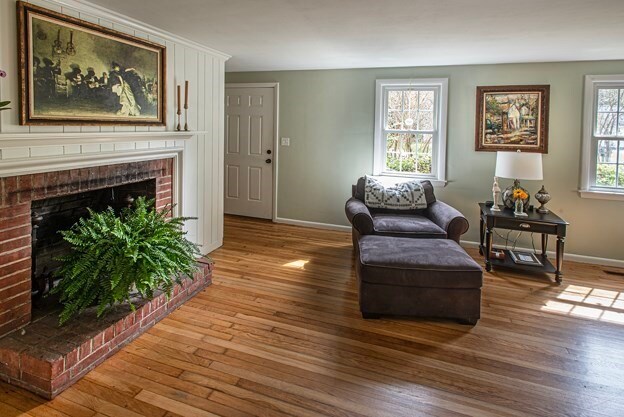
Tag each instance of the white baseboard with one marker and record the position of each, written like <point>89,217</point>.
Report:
<point>617,263</point>
<point>315,225</point>
<point>566,256</point>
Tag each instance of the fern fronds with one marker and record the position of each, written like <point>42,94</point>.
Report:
<point>111,256</point>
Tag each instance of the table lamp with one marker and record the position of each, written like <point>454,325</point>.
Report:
<point>518,166</point>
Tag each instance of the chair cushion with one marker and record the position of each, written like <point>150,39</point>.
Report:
<point>426,263</point>
<point>399,225</point>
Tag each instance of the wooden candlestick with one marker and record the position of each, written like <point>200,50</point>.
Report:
<point>186,88</point>
<point>179,127</point>
<point>186,92</point>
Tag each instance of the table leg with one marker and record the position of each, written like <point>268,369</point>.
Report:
<point>488,249</point>
<point>544,243</point>
<point>481,234</point>
<point>558,273</point>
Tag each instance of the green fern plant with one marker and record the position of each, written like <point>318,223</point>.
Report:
<point>112,256</point>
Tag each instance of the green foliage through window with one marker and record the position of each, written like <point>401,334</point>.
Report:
<point>606,175</point>
<point>410,164</point>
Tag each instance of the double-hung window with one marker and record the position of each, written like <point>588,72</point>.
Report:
<point>410,128</point>
<point>603,137</point>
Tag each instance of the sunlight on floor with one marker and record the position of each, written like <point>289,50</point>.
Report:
<point>590,303</point>
<point>300,264</point>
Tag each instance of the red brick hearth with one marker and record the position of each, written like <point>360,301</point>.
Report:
<point>46,359</point>
<point>40,356</point>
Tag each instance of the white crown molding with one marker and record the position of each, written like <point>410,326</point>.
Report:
<point>115,17</point>
<point>15,140</point>
<point>54,163</point>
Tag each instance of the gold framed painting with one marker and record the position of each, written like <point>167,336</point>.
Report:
<point>74,72</point>
<point>512,117</point>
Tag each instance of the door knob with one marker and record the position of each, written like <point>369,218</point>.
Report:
<point>268,161</point>
<point>269,152</point>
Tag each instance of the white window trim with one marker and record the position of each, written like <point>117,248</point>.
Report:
<point>588,156</point>
<point>438,177</point>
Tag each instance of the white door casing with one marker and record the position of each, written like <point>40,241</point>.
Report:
<point>249,153</point>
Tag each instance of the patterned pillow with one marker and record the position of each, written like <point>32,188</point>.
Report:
<point>408,195</point>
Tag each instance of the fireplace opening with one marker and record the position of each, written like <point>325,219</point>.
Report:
<point>51,215</point>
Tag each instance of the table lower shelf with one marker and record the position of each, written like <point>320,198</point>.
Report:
<point>547,266</point>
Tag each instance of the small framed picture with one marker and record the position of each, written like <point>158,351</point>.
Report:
<point>513,117</point>
<point>524,258</point>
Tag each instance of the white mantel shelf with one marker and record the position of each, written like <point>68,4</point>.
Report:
<point>48,164</point>
<point>11,140</point>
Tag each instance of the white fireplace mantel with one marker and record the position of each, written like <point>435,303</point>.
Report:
<point>51,164</point>
<point>14,140</point>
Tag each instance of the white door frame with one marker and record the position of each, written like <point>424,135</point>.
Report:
<point>275,87</point>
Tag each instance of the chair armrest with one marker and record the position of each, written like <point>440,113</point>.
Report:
<point>449,219</point>
<point>359,216</point>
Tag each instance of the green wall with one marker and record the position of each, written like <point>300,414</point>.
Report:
<point>328,115</point>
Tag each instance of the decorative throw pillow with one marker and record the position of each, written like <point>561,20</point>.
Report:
<point>408,195</point>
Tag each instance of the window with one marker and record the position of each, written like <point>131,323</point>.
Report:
<point>410,128</point>
<point>603,138</point>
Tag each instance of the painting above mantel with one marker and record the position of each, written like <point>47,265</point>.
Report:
<point>80,73</point>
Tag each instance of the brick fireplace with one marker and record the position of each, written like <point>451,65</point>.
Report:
<point>18,194</point>
<point>34,352</point>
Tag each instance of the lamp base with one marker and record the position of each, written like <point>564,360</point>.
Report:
<point>508,195</point>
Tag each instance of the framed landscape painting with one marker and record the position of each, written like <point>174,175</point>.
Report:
<point>76,72</point>
<point>512,117</point>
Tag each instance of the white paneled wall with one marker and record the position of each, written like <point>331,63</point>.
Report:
<point>23,148</point>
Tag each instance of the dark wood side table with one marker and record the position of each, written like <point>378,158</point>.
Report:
<point>545,224</point>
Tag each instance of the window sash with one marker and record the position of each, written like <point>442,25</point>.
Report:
<point>619,164</point>
<point>595,139</point>
<point>619,109</point>
<point>433,132</point>
<point>383,87</point>
<point>434,155</point>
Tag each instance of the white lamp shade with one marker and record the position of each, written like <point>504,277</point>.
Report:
<point>519,165</point>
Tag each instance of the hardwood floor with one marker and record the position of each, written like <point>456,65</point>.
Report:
<point>279,333</point>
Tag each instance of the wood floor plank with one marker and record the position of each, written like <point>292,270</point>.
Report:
<point>279,333</point>
<point>173,405</point>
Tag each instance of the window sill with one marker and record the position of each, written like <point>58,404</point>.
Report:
<point>398,178</point>
<point>602,195</point>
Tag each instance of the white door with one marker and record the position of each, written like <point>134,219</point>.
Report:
<point>249,133</point>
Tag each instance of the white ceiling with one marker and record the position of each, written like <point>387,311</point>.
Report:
<point>315,34</point>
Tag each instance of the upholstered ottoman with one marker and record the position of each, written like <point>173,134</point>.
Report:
<point>417,277</point>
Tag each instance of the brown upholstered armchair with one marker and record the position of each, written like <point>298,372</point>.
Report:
<point>437,221</point>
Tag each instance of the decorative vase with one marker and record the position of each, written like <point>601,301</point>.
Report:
<point>543,197</point>
<point>508,199</point>
<point>519,207</point>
